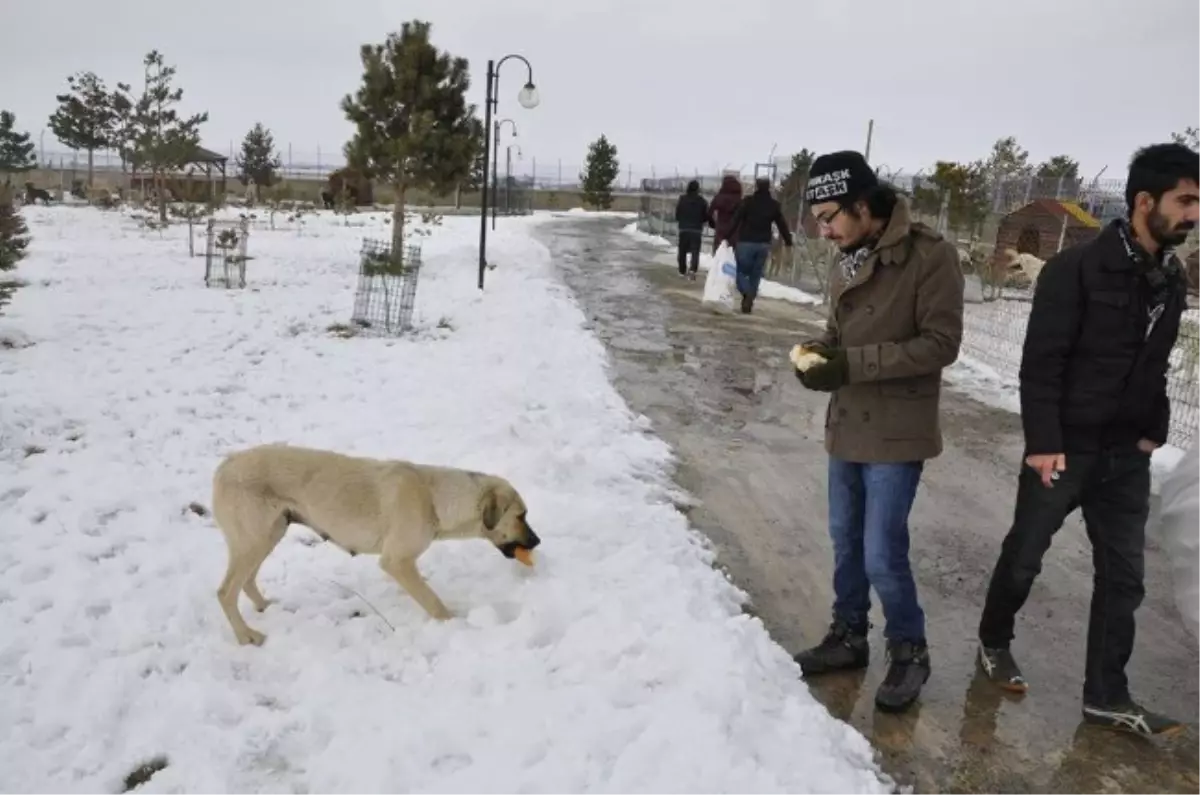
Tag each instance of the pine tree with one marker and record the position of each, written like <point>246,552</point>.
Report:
<point>1059,166</point>
<point>84,117</point>
<point>600,172</point>
<point>16,150</point>
<point>14,240</point>
<point>1190,137</point>
<point>413,126</point>
<point>120,105</point>
<point>161,139</point>
<point>258,159</point>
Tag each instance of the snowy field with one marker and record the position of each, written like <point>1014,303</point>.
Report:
<point>621,662</point>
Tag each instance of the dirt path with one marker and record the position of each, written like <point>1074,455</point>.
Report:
<point>749,438</point>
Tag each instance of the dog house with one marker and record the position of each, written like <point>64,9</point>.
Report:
<point>1043,228</point>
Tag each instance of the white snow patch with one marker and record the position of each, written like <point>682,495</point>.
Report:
<point>621,662</point>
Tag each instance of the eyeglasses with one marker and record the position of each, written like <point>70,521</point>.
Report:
<point>824,221</point>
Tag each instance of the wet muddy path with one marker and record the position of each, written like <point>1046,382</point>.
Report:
<point>749,439</point>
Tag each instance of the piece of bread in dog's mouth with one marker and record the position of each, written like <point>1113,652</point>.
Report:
<point>524,555</point>
<point>804,359</point>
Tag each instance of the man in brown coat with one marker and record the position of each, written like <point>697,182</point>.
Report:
<point>895,320</point>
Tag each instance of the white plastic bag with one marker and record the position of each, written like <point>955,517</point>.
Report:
<point>1179,527</point>
<point>720,287</point>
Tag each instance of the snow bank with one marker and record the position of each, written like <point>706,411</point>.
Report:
<point>621,662</point>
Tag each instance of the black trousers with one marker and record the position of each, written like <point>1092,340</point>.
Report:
<point>1113,489</point>
<point>689,246</point>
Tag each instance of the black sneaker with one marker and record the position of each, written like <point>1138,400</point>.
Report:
<point>908,670</point>
<point>842,650</point>
<point>1000,667</point>
<point>1129,717</point>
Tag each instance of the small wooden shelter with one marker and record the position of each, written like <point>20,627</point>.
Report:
<point>1044,227</point>
<point>202,177</point>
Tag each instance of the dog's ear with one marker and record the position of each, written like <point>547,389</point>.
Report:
<point>489,509</point>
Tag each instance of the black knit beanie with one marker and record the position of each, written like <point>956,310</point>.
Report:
<point>839,177</point>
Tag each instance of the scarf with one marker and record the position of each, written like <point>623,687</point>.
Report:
<point>1158,273</point>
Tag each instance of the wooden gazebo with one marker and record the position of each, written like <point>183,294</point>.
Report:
<point>212,163</point>
<point>205,168</point>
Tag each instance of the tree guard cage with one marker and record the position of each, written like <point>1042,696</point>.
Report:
<point>225,253</point>
<point>387,287</point>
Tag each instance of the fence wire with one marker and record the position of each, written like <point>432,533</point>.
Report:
<point>387,288</point>
<point>994,334</point>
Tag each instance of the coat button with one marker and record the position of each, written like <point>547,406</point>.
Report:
<point>871,367</point>
<point>870,309</point>
<point>866,416</point>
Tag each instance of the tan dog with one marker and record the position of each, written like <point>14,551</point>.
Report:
<point>394,509</point>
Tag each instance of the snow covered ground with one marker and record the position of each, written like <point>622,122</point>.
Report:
<point>620,662</point>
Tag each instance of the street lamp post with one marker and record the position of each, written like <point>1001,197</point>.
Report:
<point>528,99</point>
<point>508,176</point>
<point>496,160</point>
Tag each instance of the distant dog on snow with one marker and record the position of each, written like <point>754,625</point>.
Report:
<point>394,509</point>
<point>32,194</point>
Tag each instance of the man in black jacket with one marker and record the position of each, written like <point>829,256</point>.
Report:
<point>751,228</point>
<point>1094,407</point>
<point>691,213</point>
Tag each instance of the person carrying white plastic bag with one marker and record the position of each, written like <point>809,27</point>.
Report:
<point>1179,535</point>
<point>720,287</point>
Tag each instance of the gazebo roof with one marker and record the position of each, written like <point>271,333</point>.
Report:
<point>202,155</point>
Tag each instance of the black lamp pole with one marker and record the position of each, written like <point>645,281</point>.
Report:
<point>528,99</point>
<point>496,125</point>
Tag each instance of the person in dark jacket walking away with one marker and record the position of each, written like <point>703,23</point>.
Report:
<point>691,213</point>
<point>751,227</point>
<point>1094,407</point>
<point>895,320</point>
<point>720,212</point>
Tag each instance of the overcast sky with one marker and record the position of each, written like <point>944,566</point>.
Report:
<point>675,84</point>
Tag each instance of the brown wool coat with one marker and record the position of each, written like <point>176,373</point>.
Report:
<point>900,321</point>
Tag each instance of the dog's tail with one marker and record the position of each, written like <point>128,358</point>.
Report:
<point>198,509</point>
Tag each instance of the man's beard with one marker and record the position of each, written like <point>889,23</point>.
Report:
<point>1164,234</point>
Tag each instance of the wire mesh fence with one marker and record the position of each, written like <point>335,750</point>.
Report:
<point>387,287</point>
<point>225,253</point>
<point>994,333</point>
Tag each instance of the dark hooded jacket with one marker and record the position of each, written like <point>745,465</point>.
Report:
<point>691,211</point>
<point>722,208</point>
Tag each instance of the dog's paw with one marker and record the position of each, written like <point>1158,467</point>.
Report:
<point>263,605</point>
<point>251,637</point>
<point>442,615</point>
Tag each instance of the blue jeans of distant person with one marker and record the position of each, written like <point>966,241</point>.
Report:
<point>751,262</point>
<point>868,522</point>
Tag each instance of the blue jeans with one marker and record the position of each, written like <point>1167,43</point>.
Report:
<point>751,262</point>
<point>868,522</point>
